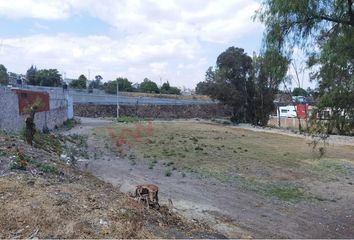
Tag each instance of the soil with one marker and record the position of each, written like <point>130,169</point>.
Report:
<point>42,196</point>
<point>228,208</point>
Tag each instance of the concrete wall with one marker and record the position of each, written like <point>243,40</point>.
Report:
<point>153,111</point>
<point>11,120</point>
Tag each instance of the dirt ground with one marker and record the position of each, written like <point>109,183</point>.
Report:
<point>231,208</point>
<point>42,196</point>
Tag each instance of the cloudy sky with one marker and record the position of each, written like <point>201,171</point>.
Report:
<point>175,40</point>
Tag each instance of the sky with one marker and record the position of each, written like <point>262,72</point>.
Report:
<point>163,40</point>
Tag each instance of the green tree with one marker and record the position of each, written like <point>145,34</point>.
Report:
<point>148,86</point>
<point>4,76</point>
<point>80,83</point>
<point>31,76</point>
<point>325,31</point>
<point>270,69</point>
<point>167,89</point>
<point>230,82</point>
<point>96,83</point>
<point>124,85</point>
<point>290,23</point>
<point>202,88</point>
<point>48,77</point>
<point>299,92</point>
<point>335,78</point>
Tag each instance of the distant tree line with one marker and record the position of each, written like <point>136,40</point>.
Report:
<point>52,78</point>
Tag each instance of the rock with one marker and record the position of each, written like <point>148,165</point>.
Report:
<point>103,222</point>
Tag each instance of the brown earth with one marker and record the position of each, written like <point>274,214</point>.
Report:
<point>232,207</point>
<point>50,199</point>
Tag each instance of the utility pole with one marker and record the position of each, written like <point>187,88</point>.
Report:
<point>117,100</point>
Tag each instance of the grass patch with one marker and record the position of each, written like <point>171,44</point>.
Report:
<point>286,193</point>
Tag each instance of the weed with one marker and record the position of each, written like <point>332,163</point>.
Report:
<point>168,173</point>
<point>47,142</point>
<point>183,174</point>
<point>70,123</point>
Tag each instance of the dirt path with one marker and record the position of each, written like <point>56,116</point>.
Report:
<point>233,211</point>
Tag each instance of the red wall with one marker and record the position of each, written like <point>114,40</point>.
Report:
<point>26,98</point>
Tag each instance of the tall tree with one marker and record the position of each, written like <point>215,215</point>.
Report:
<point>148,86</point>
<point>31,76</point>
<point>48,77</point>
<point>80,83</point>
<point>96,83</point>
<point>166,88</point>
<point>230,82</point>
<point>269,71</point>
<point>4,76</point>
<point>325,31</point>
<point>299,22</point>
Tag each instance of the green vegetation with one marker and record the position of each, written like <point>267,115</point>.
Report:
<point>4,76</point>
<point>43,77</point>
<point>286,193</point>
<point>70,123</point>
<point>246,84</point>
<point>80,83</point>
<point>47,142</point>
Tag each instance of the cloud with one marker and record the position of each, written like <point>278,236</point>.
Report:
<point>171,39</point>
<point>40,9</point>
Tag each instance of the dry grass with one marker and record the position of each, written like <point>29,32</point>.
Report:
<point>69,203</point>
<point>259,160</point>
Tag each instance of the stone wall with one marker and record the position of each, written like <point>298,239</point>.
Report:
<point>153,111</point>
<point>12,121</point>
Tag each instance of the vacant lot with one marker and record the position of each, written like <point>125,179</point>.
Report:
<point>273,164</point>
<point>249,183</point>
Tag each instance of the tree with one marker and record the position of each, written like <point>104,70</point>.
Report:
<point>335,78</point>
<point>96,83</point>
<point>230,82</point>
<point>148,86</point>
<point>48,77</point>
<point>201,88</point>
<point>167,89</point>
<point>4,76</point>
<point>269,71</point>
<point>299,92</point>
<point>290,23</point>
<point>31,75</point>
<point>325,30</point>
<point>80,83</point>
<point>124,85</point>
